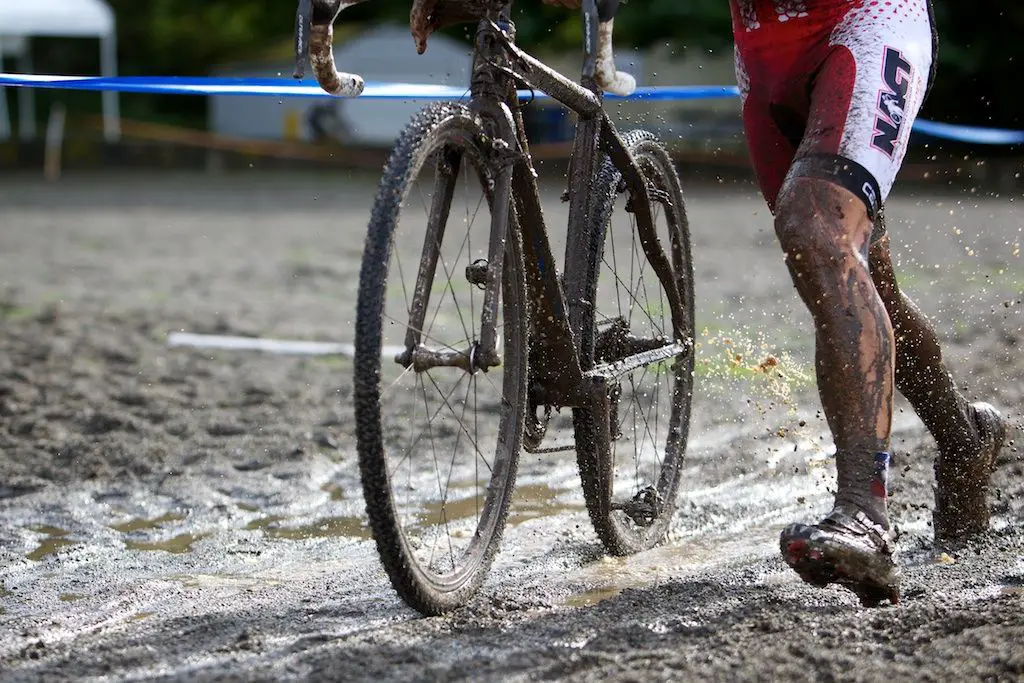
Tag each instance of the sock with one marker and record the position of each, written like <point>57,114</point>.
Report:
<point>863,479</point>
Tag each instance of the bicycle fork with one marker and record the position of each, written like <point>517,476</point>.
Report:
<point>482,353</point>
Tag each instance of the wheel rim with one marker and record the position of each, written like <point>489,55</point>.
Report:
<point>651,407</point>
<point>449,437</point>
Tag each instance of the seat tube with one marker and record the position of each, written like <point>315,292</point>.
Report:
<point>583,170</point>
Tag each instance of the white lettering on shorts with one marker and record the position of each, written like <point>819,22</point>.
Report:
<point>869,192</point>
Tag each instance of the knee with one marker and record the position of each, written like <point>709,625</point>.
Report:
<point>819,229</point>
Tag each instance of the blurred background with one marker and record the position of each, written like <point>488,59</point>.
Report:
<point>662,42</point>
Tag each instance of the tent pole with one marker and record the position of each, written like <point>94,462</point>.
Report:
<point>111,104</point>
<point>26,99</point>
<point>5,116</point>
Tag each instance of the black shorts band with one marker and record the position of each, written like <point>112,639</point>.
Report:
<point>843,172</point>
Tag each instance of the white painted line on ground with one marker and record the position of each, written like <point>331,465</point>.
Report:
<point>278,346</point>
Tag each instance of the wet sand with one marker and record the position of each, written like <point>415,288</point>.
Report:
<point>194,515</point>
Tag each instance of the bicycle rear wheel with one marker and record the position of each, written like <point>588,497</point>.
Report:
<point>631,451</point>
<point>438,444</point>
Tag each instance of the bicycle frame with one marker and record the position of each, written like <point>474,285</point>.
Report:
<point>559,377</point>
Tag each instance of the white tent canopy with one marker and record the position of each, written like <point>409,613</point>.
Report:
<point>24,19</point>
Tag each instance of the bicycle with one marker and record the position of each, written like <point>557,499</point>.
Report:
<point>487,325</point>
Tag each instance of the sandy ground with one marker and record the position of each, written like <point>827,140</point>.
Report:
<point>187,515</point>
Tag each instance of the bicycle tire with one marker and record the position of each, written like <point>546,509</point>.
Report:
<point>622,529</point>
<point>453,128</point>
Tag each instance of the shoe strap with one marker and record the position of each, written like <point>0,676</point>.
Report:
<point>859,524</point>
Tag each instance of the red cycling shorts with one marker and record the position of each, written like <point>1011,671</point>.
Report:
<point>830,88</point>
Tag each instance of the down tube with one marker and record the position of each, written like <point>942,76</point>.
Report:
<point>556,365</point>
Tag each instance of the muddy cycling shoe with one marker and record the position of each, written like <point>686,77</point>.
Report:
<point>848,549</point>
<point>961,479</point>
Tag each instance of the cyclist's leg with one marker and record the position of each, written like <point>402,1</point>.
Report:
<point>824,221</point>
<point>818,219</point>
<point>864,100</point>
<point>824,229</point>
<point>968,436</point>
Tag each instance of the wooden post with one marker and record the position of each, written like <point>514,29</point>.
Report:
<point>54,142</point>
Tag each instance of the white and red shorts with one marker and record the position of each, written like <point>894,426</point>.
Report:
<point>831,88</point>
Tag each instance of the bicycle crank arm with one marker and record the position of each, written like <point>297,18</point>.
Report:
<point>607,371</point>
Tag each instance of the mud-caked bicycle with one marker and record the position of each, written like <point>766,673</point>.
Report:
<point>468,337</point>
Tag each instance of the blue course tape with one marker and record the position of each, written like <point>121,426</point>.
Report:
<point>972,134</point>
<point>283,87</point>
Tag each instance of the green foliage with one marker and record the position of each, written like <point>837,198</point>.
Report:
<point>684,23</point>
<point>978,75</point>
<point>188,37</point>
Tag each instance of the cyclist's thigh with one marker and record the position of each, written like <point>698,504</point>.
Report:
<point>771,152</point>
<point>771,144</point>
<point>866,97</point>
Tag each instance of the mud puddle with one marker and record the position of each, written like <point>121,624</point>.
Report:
<point>55,539</point>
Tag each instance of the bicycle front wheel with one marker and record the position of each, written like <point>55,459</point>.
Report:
<point>438,441</point>
<point>631,449</point>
